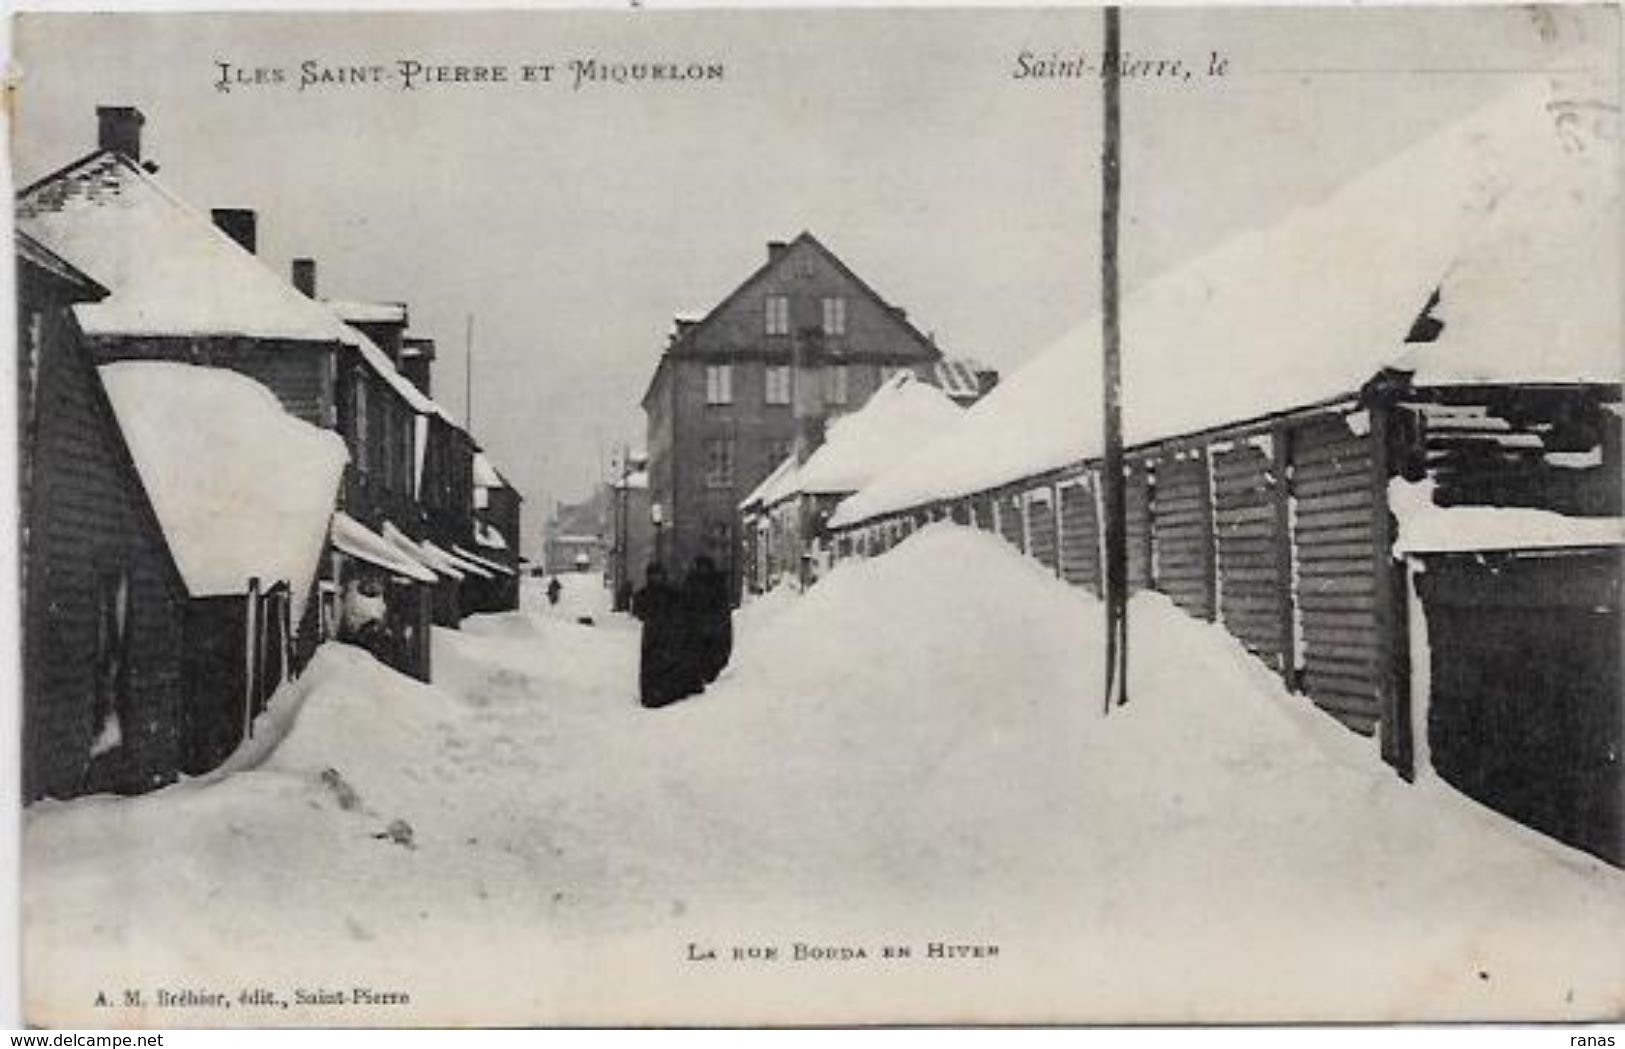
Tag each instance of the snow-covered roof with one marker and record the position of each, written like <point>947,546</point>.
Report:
<point>903,414</point>
<point>242,489</point>
<point>357,540</point>
<point>357,312</point>
<point>957,377</point>
<point>637,480</point>
<point>767,491</point>
<point>172,272</point>
<point>1425,527</point>
<point>169,270</point>
<point>1512,215</point>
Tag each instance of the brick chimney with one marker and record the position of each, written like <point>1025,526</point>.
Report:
<point>776,250</point>
<point>240,224</point>
<point>304,276</point>
<point>118,129</point>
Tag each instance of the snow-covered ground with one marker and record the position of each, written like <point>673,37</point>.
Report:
<point>912,753</point>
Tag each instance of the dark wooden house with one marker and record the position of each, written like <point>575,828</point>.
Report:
<point>103,604</point>
<point>109,213</point>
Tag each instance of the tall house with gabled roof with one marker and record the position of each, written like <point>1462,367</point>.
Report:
<point>754,380</point>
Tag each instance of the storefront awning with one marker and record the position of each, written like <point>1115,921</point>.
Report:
<point>483,562</point>
<point>465,566</point>
<point>421,553</point>
<point>357,540</point>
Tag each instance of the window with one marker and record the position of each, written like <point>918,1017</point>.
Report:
<point>778,384</point>
<point>835,384</point>
<point>835,316</point>
<point>778,315</point>
<point>719,384</point>
<point>719,462</point>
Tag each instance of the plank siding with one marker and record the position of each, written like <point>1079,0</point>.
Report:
<point>1249,535</point>
<point>86,520</point>
<point>1183,534</point>
<point>295,371</point>
<point>1137,510</point>
<point>1335,542</point>
<point>1080,534</point>
<point>1041,528</point>
<point>1011,523</point>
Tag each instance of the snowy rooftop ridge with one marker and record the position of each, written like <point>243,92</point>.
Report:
<point>901,415</point>
<point>243,489</point>
<point>153,251</point>
<point>356,311</point>
<point>1512,215</point>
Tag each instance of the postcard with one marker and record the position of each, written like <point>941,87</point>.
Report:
<point>750,517</point>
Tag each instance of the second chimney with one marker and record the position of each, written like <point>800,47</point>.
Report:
<point>118,130</point>
<point>304,276</point>
<point>240,224</point>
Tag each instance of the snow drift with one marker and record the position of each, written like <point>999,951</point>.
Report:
<point>912,754</point>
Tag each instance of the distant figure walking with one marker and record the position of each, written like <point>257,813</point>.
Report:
<point>553,589</point>
<point>663,666</point>
<point>710,610</point>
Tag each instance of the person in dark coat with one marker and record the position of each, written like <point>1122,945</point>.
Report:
<point>553,589</point>
<point>710,612</point>
<point>663,665</point>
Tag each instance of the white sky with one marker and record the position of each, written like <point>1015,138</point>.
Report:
<point>573,225</point>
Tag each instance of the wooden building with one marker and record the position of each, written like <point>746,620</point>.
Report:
<point>1461,388</point>
<point>755,379</point>
<point>103,605</point>
<point>244,494</point>
<point>107,212</point>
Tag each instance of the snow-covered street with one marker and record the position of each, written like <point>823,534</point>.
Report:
<point>911,754</point>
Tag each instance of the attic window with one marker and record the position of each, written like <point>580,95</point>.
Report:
<point>778,315</point>
<point>835,315</point>
<point>1426,327</point>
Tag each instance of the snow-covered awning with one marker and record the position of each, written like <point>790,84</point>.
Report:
<point>241,488</point>
<point>356,539</point>
<point>473,558</point>
<point>489,535</point>
<point>462,565</point>
<point>421,552</point>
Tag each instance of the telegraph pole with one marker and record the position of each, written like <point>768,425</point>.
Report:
<point>1112,496</point>
<point>468,375</point>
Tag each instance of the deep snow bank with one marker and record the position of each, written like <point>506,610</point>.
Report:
<point>913,752</point>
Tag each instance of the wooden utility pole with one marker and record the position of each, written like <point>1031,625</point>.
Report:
<point>468,375</point>
<point>1116,524</point>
